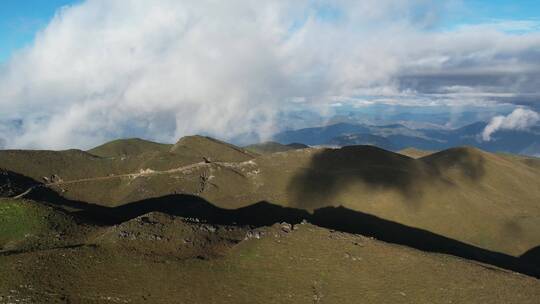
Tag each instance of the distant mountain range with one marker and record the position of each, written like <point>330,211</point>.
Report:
<point>397,137</point>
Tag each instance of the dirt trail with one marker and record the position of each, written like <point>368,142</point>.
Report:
<point>142,172</point>
<point>147,172</point>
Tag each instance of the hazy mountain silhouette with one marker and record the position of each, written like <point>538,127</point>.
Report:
<point>397,137</point>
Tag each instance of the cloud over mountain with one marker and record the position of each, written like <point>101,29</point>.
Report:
<point>165,68</point>
<point>519,119</point>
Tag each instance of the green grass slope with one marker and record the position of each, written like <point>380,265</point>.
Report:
<point>131,263</point>
<point>19,219</point>
<point>25,225</point>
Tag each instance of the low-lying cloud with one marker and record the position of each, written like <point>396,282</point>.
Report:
<point>165,68</point>
<point>519,119</point>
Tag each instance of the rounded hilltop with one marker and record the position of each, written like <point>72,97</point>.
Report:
<point>129,146</point>
<point>211,148</point>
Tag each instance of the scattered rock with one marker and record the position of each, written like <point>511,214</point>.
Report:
<point>253,235</point>
<point>208,228</point>
<point>146,220</point>
<point>56,179</point>
<point>155,237</point>
<point>147,171</point>
<point>123,234</point>
<point>286,227</point>
<point>351,257</point>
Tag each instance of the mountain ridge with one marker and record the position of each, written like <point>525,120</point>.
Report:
<point>463,181</point>
<point>208,209</point>
<point>398,137</point>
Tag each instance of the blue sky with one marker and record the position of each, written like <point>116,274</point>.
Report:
<point>21,19</point>
<point>504,9</point>
<point>482,11</point>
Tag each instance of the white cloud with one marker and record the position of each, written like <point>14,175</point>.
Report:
<point>510,26</point>
<point>165,68</point>
<point>519,119</point>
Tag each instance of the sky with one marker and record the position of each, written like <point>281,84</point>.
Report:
<point>78,73</point>
<point>20,20</point>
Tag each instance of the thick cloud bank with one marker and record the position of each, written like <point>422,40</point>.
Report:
<point>519,119</point>
<point>162,69</point>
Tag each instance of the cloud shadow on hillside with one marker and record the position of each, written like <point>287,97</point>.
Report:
<point>334,171</point>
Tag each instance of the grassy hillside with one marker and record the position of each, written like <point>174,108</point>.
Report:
<point>25,224</point>
<point>494,200</point>
<point>480,198</point>
<point>124,147</point>
<point>158,226</point>
<point>164,259</point>
<point>139,155</point>
<point>19,219</point>
<point>212,149</point>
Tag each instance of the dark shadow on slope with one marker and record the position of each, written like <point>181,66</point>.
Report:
<point>469,161</point>
<point>12,184</point>
<point>265,214</point>
<point>346,220</point>
<point>332,171</point>
<point>15,252</point>
<point>339,219</point>
<point>532,256</point>
<point>188,206</point>
<point>257,215</point>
